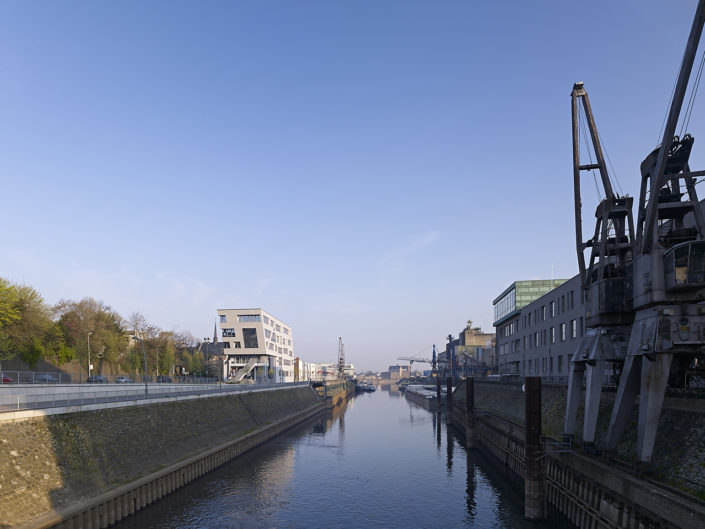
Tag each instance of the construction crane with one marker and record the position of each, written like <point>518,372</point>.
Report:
<point>605,280</point>
<point>341,358</point>
<point>667,262</point>
<point>412,359</point>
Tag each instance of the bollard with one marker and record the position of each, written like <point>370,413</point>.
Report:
<point>438,394</point>
<point>533,473</point>
<point>449,400</point>
<point>470,412</point>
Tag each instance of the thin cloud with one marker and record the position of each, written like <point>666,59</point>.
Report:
<point>394,260</point>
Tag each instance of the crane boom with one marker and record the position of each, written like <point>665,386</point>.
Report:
<point>658,175</point>
<point>669,275</point>
<point>606,285</point>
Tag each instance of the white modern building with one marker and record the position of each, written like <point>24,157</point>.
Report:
<point>330,371</point>
<point>257,346</point>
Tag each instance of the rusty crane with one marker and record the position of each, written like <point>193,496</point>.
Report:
<point>645,290</point>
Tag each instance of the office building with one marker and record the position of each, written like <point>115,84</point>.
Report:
<point>256,345</point>
<point>538,327</point>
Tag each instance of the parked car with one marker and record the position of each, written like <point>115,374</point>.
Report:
<point>163,378</point>
<point>123,380</point>
<point>97,379</point>
<point>5,379</point>
<point>45,378</point>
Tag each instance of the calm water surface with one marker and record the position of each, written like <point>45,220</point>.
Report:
<point>382,462</point>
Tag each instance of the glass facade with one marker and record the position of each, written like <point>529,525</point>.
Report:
<point>506,305</point>
<point>520,294</point>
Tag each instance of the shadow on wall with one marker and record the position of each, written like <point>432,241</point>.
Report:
<point>54,461</point>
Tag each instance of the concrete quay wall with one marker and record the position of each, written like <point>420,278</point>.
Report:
<point>588,490</point>
<point>89,469</point>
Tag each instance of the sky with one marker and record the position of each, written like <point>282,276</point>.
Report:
<point>375,170</point>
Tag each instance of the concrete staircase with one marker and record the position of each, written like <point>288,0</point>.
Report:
<point>245,370</point>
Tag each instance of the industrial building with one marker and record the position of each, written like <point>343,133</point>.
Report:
<point>538,327</point>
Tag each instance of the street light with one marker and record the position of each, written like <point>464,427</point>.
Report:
<point>145,365</point>
<point>89,354</point>
<point>207,342</point>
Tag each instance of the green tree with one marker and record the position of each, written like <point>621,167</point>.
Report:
<point>26,324</point>
<point>107,337</point>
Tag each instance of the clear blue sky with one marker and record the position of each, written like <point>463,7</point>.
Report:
<point>376,170</point>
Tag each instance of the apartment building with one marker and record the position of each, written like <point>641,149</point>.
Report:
<point>538,326</point>
<point>256,346</point>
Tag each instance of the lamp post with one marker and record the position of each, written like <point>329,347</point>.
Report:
<point>207,342</point>
<point>145,365</point>
<point>89,354</point>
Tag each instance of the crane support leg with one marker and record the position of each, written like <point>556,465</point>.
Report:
<point>593,392</point>
<point>624,402</point>
<point>654,378</point>
<point>575,390</point>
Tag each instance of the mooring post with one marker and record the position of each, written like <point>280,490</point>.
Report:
<point>470,412</point>
<point>438,395</point>
<point>449,400</point>
<point>533,474</point>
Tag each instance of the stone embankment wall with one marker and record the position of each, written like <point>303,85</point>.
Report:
<point>679,455</point>
<point>588,489</point>
<point>50,463</point>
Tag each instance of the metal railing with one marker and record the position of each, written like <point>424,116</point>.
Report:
<point>34,401</point>
<point>35,377</point>
<point>57,377</point>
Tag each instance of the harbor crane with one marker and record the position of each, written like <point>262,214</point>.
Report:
<point>412,359</point>
<point>605,279</point>
<point>649,287</point>
<point>341,358</point>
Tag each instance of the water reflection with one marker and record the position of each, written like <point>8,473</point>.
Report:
<point>370,464</point>
<point>449,450</point>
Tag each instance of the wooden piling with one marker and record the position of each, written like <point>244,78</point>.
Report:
<point>533,472</point>
<point>470,412</point>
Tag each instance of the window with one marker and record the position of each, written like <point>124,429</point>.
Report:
<point>236,345</point>
<point>573,328</point>
<point>582,329</point>
<point>562,332</point>
<point>553,335</point>
<point>267,333</point>
<point>228,333</point>
<point>553,309</point>
<point>278,328</point>
<point>226,345</point>
<point>536,339</point>
<point>248,318</point>
<point>560,364</point>
<point>289,342</point>
<point>286,331</point>
<point>543,313</point>
<point>266,320</point>
<point>249,336</point>
<point>571,299</point>
<point>222,318</point>
<point>563,303</point>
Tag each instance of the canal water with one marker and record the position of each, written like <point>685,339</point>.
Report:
<point>379,462</point>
